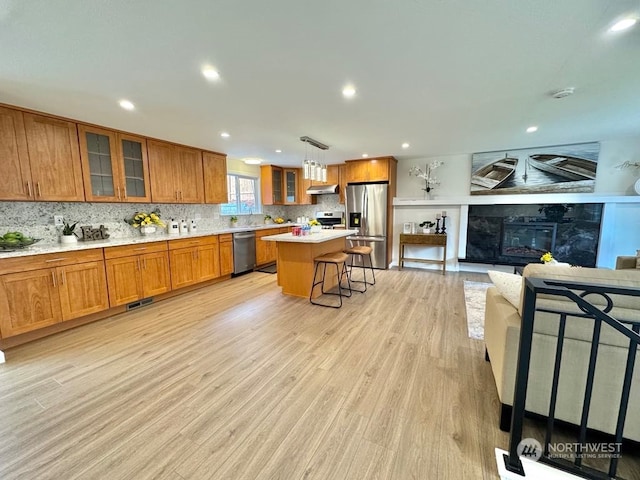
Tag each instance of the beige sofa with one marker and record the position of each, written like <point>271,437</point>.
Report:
<point>502,332</point>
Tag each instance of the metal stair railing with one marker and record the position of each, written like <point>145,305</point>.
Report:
<point>575,292</point>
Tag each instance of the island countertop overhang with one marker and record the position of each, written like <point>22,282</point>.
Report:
<point>318,237</point>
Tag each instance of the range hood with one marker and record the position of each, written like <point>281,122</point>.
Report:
<point>322,189</point>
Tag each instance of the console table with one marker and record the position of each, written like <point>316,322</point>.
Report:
<point>424,240</point>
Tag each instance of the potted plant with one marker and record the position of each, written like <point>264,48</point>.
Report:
<point>426,226</point>
<point>68,234</point>
<point>267,219</point>
<point>233,221</point>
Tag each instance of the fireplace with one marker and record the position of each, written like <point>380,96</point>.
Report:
<point>521,234</point>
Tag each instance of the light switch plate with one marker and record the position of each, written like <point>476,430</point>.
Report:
<point>58,220</point>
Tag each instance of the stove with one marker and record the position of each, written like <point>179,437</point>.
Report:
<point>329,219</point>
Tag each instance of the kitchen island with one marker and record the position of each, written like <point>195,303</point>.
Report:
<point>295,259</point>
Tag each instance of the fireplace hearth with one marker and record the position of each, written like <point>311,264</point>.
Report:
<point>521,234</point>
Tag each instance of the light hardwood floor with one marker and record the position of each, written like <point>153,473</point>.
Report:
<point>237,381</point>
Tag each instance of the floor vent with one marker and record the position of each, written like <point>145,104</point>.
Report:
<point>139,303</point>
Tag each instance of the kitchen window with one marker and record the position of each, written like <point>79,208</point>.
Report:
<point>243,193</point>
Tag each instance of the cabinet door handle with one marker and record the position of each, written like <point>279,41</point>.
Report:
<point>176,195</point>
<point>63,277</point>
<point>55,260</point>
<point>144,263</point>
<point>29,192</point>
<point>138,264</point>
<point>181,196</point>
<point>119,198</point>
<point>38,188</point>
<point>53,277</point>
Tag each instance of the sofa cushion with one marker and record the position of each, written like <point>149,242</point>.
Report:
<point>626,308</point>
<point>509,285</point>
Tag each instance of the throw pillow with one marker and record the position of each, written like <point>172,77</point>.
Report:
<point>508,284</point>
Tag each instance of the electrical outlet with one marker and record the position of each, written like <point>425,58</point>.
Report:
<point>58,220</point>
<point>197,216</point>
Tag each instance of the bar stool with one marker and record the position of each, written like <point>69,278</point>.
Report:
<point>362,251</point>
<point>334,258</point>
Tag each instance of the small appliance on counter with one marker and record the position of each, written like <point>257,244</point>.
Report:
<point>330,219</point>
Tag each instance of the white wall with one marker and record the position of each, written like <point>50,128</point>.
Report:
<point>621,222</point>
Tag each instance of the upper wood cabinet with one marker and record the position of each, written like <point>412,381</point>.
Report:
<point>271,185</point>
<point>303,185</point>
<point>215,177</point>
<point>114,165</point>
<point>342,182</point>
<point>15,181</point>
<point>371,170</point>
<point>291,177</point>
<point>176,173</point>
<point>54,158</point>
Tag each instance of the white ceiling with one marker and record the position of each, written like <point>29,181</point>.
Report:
<point>447,76</point>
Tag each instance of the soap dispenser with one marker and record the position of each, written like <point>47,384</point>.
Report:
<point>174,227</point>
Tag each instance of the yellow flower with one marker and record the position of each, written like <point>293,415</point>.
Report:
<point>547,257</point>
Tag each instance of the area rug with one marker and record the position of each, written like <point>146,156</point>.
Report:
<point>269,269</point>
<point>474,298</point>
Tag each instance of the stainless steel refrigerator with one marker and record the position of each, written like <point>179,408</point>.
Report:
<point>366,205</point>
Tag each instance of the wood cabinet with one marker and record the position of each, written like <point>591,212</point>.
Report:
<point>271,185</point>
<point>136,272</point>
<point>291,179</point>
<point>194,260</point>
<point>266,252</point>
<point>54,159</point>
<point>371,170</point>
<point>226,254</point>
<point>214,166</point>
<point>15,181</point>
<point>114,165</point>
<point>176,173</point>
<point>69,286</point>
<point>342,182</point>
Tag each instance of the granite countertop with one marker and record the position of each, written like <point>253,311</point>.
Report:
<point>42,248</point>
<point>316,237</point>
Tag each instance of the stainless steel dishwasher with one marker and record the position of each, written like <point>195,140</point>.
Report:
<point>244,251</point>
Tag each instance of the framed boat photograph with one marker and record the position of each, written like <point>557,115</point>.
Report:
<point>558,169</point>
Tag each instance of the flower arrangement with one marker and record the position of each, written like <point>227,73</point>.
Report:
<point>143,219</point>
<point>314,223</point>
<point>427,175</point>
<point>547,258</point>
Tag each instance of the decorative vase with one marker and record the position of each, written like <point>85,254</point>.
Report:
<point>426,230</point>
<point>553,261</point>
<point>233,224</point>
<point>148,230</point>
<point>68,239</point>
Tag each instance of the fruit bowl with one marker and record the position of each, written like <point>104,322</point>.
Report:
<point>17,242</point>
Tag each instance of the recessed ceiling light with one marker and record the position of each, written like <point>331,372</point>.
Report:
<point>623,24</point>
<point>278,151</point>
<point>349,91</point>
<point>225,135</point>
<point>253,161</point>
<point>365,155</point>
<point>210,73</point>
<point>126,104</point>
<point>532,129</point>
<point>405,145</point>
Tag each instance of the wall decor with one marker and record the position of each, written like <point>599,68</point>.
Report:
<point>558,169</point>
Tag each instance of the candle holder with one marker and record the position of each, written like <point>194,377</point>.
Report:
<point>444,228</point>
<point>438,225</point>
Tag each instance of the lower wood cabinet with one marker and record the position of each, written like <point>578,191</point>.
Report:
<point>34,297</point>
<point>194,260</point>
<point>266,251</point>
<point>136,272</point>
<point>226,254</point>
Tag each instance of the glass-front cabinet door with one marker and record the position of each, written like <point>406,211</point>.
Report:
<point>290,186</point>
<point>99,164</point>
<point>135,167</point>
<point>115,166</point>
<point>276,179</point>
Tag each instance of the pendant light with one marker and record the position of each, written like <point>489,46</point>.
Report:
<point>313,170</point>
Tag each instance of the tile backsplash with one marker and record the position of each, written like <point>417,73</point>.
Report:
<point>36,218</point>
